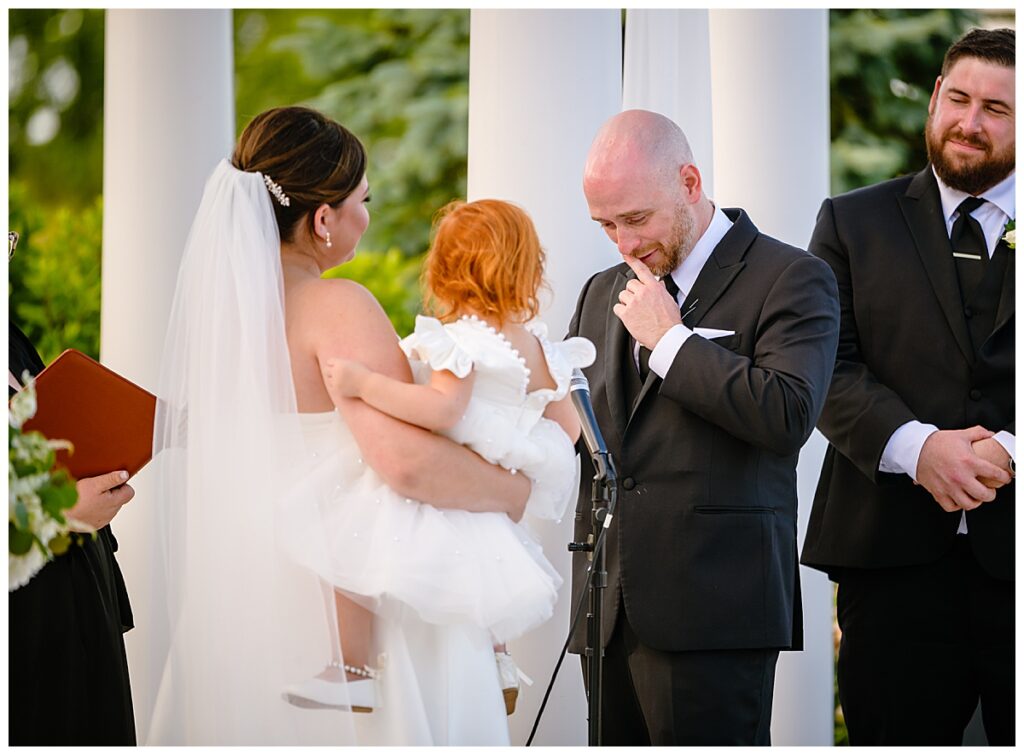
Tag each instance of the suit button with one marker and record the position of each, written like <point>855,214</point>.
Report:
<point>975,394</point>
<point>629,483</point>
<point>968,313</point>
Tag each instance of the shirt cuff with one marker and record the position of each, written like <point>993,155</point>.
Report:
<point>1007,441</point>
<point>904,448</point>
<point>665,351</point>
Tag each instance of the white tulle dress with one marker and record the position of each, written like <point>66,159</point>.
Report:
<point>444,583</point>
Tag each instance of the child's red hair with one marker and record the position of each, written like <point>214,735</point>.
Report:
<point>485,259</point>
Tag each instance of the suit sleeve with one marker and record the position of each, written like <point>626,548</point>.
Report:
<point>574,323</point>
<point>772,399</point>
<point>860,413</point>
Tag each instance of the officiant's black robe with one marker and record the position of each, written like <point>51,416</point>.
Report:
<point>68,681</point>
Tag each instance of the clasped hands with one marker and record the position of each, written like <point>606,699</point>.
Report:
<point>646,309</point>
<point>963,468</point>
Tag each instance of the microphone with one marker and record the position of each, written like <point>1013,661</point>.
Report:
<point>579,390</point>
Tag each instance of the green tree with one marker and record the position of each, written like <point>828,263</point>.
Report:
<point>54,280</point>
<point>399,79</point>
<point>883,65</point>
<point>55,111</point>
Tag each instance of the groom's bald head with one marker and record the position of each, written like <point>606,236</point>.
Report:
<point>638,140</point>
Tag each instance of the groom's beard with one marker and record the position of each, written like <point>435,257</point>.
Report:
<point>969,175</point>
<point>677,246</point>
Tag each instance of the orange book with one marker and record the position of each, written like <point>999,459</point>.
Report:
<point>107,418</point>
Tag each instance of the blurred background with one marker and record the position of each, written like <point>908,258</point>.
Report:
<point>399,80</point>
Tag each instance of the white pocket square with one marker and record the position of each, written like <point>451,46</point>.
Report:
<point>710,333</point>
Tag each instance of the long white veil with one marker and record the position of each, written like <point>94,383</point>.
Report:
<point>245,620</point>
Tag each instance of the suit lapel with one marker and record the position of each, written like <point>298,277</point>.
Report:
<point>722,267</point>
<point>618,342</point>
<point>922,209</point>
<point>724,264</point>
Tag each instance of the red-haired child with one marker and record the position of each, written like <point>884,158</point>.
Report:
<point>487,376</point>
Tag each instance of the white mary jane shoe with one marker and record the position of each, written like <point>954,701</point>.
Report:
<point>358,696</point>
<point>509,675</point>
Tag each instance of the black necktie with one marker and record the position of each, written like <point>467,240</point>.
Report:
<point>970,252</point>
<point>644,357</point>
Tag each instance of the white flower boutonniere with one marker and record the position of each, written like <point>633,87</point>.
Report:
<point>1010,233</point>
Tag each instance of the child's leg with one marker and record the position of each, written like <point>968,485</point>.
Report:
<point>355,632</point>
<point>352,625</point>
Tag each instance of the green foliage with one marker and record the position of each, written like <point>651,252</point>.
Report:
<point>392,278</point>
<point>55,114</point>
<point>54,283</point>
<point>398,79</point>
<point>883,65</point>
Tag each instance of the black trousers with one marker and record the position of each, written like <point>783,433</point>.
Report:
<point>921,645</point>
<point>698,697</point>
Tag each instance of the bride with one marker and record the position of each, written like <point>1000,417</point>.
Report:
<point>243,425</point>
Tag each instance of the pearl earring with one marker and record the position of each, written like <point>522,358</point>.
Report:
<point>329,244</point>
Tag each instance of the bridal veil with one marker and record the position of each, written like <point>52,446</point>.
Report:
<point>246,620</point>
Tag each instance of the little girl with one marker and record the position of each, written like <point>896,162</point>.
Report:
<point>487,377</point>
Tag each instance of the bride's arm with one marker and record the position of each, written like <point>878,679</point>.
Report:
<point>412,461</point>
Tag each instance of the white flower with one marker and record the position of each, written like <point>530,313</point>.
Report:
<point>23,406</point>
<point>35,532</point>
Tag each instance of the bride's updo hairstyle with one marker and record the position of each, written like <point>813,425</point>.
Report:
<point>313,159</point>
<point>485,258</point>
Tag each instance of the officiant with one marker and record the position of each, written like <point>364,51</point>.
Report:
<point>68,674</point>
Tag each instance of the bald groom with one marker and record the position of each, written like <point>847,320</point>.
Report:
<point>707,383</point>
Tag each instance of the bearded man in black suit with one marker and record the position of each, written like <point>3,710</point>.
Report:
<point>705,387</point>
<point>913,515</point>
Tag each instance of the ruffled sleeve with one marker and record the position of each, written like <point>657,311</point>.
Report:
<point>430,342</point>
<point>563,356</point>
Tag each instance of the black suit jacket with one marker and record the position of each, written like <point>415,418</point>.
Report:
<point>702,552</point>
<point>905,353</point>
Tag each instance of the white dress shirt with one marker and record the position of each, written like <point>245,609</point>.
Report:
<point>664,352</point>
<point>903,449</point>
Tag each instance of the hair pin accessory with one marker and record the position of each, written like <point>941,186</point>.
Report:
<point>277,191</point>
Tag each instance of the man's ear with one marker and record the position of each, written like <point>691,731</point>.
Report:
<point>935,95</point>
<point>690,182</point>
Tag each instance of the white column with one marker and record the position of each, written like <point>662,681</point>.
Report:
<point>667,69</point>
<point>168,119</point>
<point>770,108</point>
<point>540,85</point>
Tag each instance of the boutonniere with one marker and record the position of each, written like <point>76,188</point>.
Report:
<point>1010,233</point>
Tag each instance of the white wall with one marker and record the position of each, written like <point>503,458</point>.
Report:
<point>168,119</point>
<point>769,78</point>
<point>540,84</point>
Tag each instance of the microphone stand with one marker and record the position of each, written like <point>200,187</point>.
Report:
<point>603,498</point>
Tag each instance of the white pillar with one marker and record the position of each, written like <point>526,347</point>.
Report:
<point>168,119</point>
<point>540,85</point>
<point>770,108</point>
<point>667,69</point>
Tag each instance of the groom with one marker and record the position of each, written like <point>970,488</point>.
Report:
<point>706,385</point>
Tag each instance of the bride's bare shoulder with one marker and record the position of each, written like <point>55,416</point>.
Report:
<point>321,296</point>
<point>329,309</point>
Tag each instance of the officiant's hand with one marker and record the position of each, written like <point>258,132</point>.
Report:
<point>99,500</point>
<point>345,378</point>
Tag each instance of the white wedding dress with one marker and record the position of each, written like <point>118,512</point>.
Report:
<point>260,509</point>
<point>444,583</point>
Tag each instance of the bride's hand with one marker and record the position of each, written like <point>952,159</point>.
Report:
<point>343,377</point>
